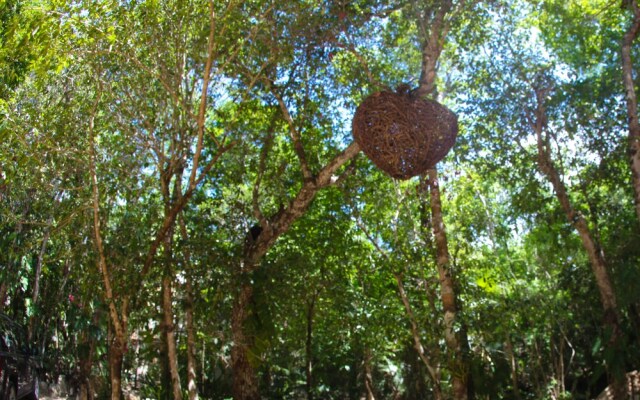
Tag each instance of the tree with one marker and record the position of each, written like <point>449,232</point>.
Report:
<point>181,207</point>
<point>632,101</point>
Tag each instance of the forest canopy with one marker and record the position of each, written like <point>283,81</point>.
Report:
<point>184,212</point>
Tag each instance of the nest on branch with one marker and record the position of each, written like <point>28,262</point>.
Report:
<point>402,134</point>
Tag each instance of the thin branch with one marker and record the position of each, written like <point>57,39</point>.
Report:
<point>293,132</point>
<point>203,100</point>
<point>102,262</point>
<point>246,39</point>
<point>141,65</point>
<point>264,152</point>
<point>280,222</point>
<point>407,306</point>
<point>432,47</point>
<point>177,207</point>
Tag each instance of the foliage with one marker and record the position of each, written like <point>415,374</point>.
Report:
<point>326,317</point>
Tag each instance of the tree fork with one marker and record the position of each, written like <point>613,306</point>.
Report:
<point>245,382</point>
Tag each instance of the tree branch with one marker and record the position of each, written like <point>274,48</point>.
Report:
<point>298,147</point>
<point>432,47</point>
<point>280,222</point>
<point>102,262</point>
<point>417,341</point>
<point>266,146</point>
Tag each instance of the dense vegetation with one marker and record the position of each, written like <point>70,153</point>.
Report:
<point>183,212</point>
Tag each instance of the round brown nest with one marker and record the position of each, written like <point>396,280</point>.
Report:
<point>402,134</point>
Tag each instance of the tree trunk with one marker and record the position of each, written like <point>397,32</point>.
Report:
<point>368,375</point>
<point>191,342</point>
<point>309,347</point>
<point>632,102</point>
<point>457,361</point>
<point>513,363</point>
<point>115,371</point>
<point>35,295</point>
<point>167,306</point>
<point>192,385</point>
<point>260,239</point>
<point>169,330</point>
<point>435,27</point>
<point>118,326</point>
<point>163,353</point>
<point>85,362</point>
<point>3,295</point>
<point>245,382</point>
<point>116,356</point>
<point>594,252</point>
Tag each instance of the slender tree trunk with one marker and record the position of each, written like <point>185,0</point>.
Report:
<point>118,326</point>
<point>435,27</point>
<point>368,375</point>
<point>191,341</point>
<point>431,363</point>
<point>594,252</point>
<point>513,363</point>
<point>172,352</point>
<point>245,382</point>
<point>192,385</point>
<point>309,347</point>
<point>3,295</point>
<point>434,31</point>
<point>35,296</point>
<point>632,101</point>
<point>115,371</point>
<point>457,361</point>
<point>116,357</point>
<point>165,374</point>
<point>258,242</point>
<point>167,304</point>
<point>85,362</point>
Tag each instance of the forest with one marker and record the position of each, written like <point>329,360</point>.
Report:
<point>184,212</point>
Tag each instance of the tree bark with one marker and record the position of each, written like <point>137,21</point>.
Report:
<point>258,242</point>
<point>368,375</point>
<point>85,363</point>
<point>170,337</point>
<point>434,31</point>
<point>594,252</point>
<point>167,282</point>
<point>309,347</point>
<point>632,101</point>
<point>3,295</point>
<point>35,296</point>
<point>192,385</point>
<point>245,381</point>
<point>115,371</point>
<point>191,342</point>
<point>118,337</point>
<point>116,356</point>
<point>457,360</point>
<point>513,363</point>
